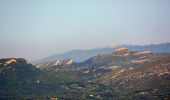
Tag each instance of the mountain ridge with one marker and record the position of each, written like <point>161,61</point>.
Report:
<point>82,55</point>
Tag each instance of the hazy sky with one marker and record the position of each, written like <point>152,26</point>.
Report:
<point>34,29</point>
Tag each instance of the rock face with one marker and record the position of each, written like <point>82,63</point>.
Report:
<point>48,64</point>
<point>10,61</point>
<point>142,52</point>
<point>57,63</point>
<point>122,49</point>
<point>69,61</point>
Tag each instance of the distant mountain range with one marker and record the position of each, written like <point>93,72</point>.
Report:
<point>83,55</point>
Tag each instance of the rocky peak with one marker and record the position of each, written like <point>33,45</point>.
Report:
<point>122,49</point>
<point>8,61</point>
<point>69,61</point>
<point>57,62</point>
<point>53,64</point>
<point>7,64</point>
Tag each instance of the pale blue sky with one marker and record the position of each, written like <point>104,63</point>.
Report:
<point>34,29</point>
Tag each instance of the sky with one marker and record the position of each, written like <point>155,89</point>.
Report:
<point>34,29</point>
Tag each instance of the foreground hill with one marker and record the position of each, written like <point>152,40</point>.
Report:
<point>17,69</point>
<point>16,75</point>
<point>83,55</point>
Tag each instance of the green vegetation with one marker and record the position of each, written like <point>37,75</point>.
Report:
<point>92,80</point>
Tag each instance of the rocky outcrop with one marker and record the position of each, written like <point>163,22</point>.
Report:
<point>57,63</point>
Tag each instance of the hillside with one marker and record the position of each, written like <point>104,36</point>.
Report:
<point>16,76</point>
<point>122,57</point>
<point>122,74</point>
